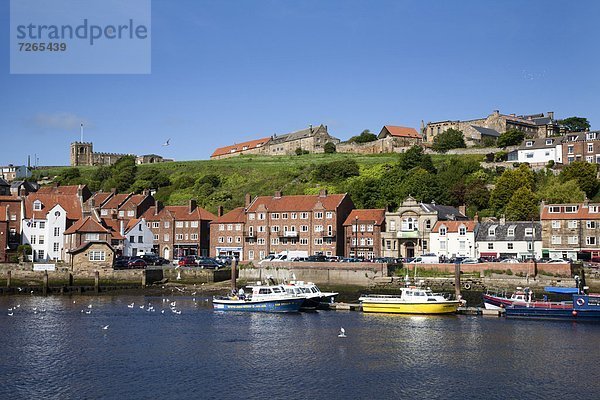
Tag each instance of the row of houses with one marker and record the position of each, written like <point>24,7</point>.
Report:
<point>578,146</point>
<point>62,221</point>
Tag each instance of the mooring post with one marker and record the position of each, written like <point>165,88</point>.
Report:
<point>97,281</point>
<point>143,278</point>
<point>234,274</point>
<point>70,279</point>
<point>457,280</point>
<point>8,278</point>
<point>45,284</point>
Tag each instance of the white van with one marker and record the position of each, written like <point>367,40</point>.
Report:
<point>289,255</point>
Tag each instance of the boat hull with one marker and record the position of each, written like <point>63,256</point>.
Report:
<point>272,306</point>
<point>448,307</point>
<point>582,308</point>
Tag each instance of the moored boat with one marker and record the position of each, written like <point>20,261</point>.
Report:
<point>411,300</point>
<point>499,299</point>
<point>314,297</point>
<point>262,298</point>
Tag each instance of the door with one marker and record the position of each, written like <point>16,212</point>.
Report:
<point>166,253</point>
<point>410,249</point>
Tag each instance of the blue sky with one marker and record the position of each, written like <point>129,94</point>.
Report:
<point>230,71</point>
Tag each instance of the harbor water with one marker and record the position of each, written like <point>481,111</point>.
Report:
<point>102,347</point>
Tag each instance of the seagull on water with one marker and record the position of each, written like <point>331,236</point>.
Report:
<point>167,142</point>
<point>11,314</point>
<point>342,332</point>
<point>130,305</point>
<point>105,327</point>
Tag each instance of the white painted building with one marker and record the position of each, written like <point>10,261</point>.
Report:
<point>44,231</point>
<point>138,238</point>
<point>540,151</point>
<point>509,239</point>
<point>453,239</point>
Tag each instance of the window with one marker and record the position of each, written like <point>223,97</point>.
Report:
<point>572,224</point>
<point>303,241</point>
<point>318,228</point>
<point>42,225</point>
<point>260,241</point>
<point>548,142</point>
<point>462,245</point>
<point>251,254</point>
<point>261,254</point>
<point>590,136</point>
<point>229,239</point>
<point>238,227</point>
<point>555,224</point>
<point>55,247</point>
<point>428,224</point>
<point>274,215</point>
<point>590,224</point>
<point>33,239</point>
<point>571,209</point>
<point>462,231</point>
<point>156,225</point>
<point>443,231</point>
<point>424,244</point>
<point>121,213</point>
<point>261,228</point>
<point>318,241</point>
<point>528,155</point>
<point>492,231</point>
<point>590,240</point>
<point>131,239</point>
<point>96,255</point>
<point>41,254</point>
<point>194,224</point>
<point>229,227</point>
<point>490,246</point>
<point>139,227</point>
<point>166,224</point>
<point>529,246</point>
<point>284,215</point>
<point>166,237</point>
<point>37,205</point>
<point>409,224</point>
<point>275,228</point>
<point>238,239</point>
<point>179,224</point>
<point>294,215</point>
<point>510,231</point>
<point>194,236</point>
<point>261,216</point>
<point>140,239</point>
<point>589,159</point>
<point>155,238</point>
<point>528,232</point>
<point>392,225</point>
<point>590,147</point>
<point>554,209</point>
<point>304,228</point>
<point>147,224</point>
<point>221,239</point>
<point>388,244</point>
<point>573,240</point>
<point>509,246</point>
<point>329,215</point>
<point>593,209</point>
<point>570,149</point>
<point>92,236</point>
<point>363,228</point>
<point>319,215</point>
<point>304,215</point>
<point>443,246</point>
<point>104,212</point>
<point>529,143</point>
<point>370,242</point>
<point>56,231</point>
<point>251,216</point>
<point>130,213</point>
<point>369,228</point>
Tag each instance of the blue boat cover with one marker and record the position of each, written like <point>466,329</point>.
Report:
<point>563,290</point>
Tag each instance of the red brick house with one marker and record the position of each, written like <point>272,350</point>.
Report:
<point>362,232</point>
<point>12,206</point>
<point>179,230</point>
<point>125,206</point>
<point>310,223</point>
<point>227,234</point>
<point>4,233</point>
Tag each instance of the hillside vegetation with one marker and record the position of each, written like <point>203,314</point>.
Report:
<point>373,181</point>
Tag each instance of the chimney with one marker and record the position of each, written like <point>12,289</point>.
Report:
<point>502,219</point>
<point>79,191</point>
<point>156,207</point>
<point>146,192</point>
<point>247,199</point>
<point>476,217</point>
<point>220,211</point>
<point>113,214</point>
<point>496,112</point>
<point>323,193</point>
<point>93,202</point>
<point>113,190</point>
<point>22,192</point>
<point>462,209</point>
<point>121,229</point>
<point>192,205</point>
<point>551,115</point>
<point>278,194</point>
<point>310,127</point>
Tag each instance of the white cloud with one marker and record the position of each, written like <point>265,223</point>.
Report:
<point>62,121</point>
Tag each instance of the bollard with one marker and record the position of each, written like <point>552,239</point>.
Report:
<point>8,278</point>
<point>70,279</point>
<point>234,274</point>
<point>457,280</point>
<point>143,278</point>
<point>45,284</point>
<point>97,281</point>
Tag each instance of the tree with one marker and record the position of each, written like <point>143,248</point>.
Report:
<point>450,139</point>
<point>415,157</point>
<point>122,174</point>
<point>365,137</point>
<point>508,183</point>
<point>557,192</point>
<point>523,206</point>
<point>69,176</point>
<point>511,137</point>
<point>300,152</point>
<point>329,148</point>
<point>477,195</point>
<point>337,170</point>
<point>585,175</point>
<point>575,124</point>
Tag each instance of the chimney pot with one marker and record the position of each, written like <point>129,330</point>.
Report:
<point>462,209</point>
<point>247,199</point>
<point>551,115</point>
<point>323,193</point>
<point>220,211</point>
<point>156,207</point>
<point>278,194</point>
<point>192,205</point>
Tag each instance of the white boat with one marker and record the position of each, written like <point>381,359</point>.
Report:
<point>265,298</point>
<point>411,300</point>
<point>314,298</point>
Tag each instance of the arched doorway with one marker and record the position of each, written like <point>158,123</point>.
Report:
<point>166,253</point>
<point>409,249</point>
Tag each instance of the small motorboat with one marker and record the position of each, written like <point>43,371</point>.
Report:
<point>314,298</point>
<point>495,300</point>
<point>411,300</point>
<point>261,298</point>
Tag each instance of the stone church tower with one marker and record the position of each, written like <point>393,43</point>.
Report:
<point>81,154</point>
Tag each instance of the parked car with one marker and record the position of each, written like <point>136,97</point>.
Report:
<point>470,261</point>
<point>316,258</point>
<point>121,262</point>
<point>224,260</point>
<point>152,259</point>
<point>136,263</point>
<point>187,261</point>
<point>207,262</point>
<point>350,260</point>
<point>557,260</point>
<point>510,261</point>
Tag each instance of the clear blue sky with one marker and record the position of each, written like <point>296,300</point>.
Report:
<point>230,71</point>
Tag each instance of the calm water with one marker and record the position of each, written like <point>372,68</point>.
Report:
<point>201,354</point>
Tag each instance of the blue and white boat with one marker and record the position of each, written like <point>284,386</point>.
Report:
<point>582,307</point>
<point>262,298</point>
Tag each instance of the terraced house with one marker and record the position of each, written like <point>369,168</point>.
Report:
<point>310,223</point>
<point>581,146</point>
<point>227,234</point>
<point>362,230</point>
<point>570,230</point>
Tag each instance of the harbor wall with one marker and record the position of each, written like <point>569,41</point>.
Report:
<point>556,269</point>
<point>361,274</point>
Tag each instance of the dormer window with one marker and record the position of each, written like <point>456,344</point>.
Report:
<point>443,231</point>
<point>492,232</point>
<point>571,209</point>
<point>549,142</point>
<point>529,143</point>
<point>37,205</point>
<point>511,230</point>
<point>591,136</point>
<point>462,231</point>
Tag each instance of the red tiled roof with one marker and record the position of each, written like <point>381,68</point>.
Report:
<point>179,213</point>
<point>87,244</point>
<point>236,148</point>
<point>49,198</point>
<point>114,226</point>
<point>237,215</point>
<point>582,212</point>
<point>100,197</point>
<point>297,202</point>
<point>86,225</point>
<point>401,131</point>
<point>9,198</point>
<point>135,199</point>
<point>131,224</point>
<point>453,226</point>
<point>62,190</point>
<point>377,215</point>
<point>114,201</point>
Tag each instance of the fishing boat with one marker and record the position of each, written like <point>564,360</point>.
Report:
<point>411,300</point>
<point>314,297</point>
<point>261,298</point>
<point>582,307</point>
<point>496,300</point>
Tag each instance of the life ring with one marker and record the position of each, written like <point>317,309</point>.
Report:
<point>467,286</point>
<point>580,301</point>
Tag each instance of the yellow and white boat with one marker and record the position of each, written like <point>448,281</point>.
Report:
<point>411,300</point>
